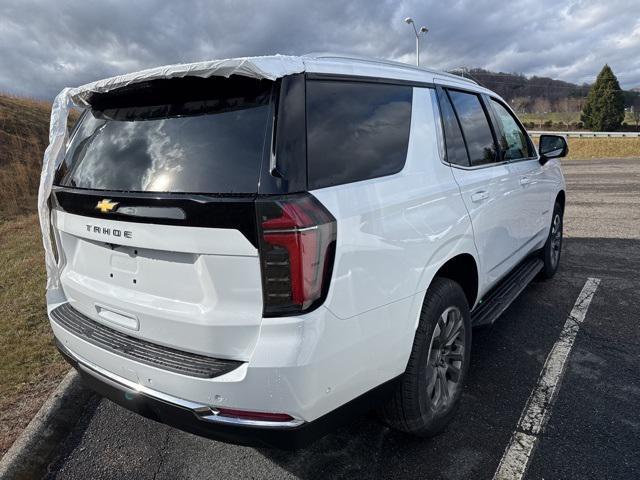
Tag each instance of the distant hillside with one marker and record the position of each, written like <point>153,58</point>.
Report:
<point>513,85</point>
<point>537,94</point>
<point>24,133</point>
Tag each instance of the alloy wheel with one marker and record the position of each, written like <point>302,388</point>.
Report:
<point>446,354</point>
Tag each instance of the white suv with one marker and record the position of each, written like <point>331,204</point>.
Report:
<point>253,260</point>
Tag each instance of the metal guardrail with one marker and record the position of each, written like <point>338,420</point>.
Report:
<point>579,134</point>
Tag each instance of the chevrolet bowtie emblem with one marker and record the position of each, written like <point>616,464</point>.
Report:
<point>106,205</point>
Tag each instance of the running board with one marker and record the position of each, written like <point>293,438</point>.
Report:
<point>502,295</point>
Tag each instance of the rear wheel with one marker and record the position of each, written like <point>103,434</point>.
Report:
<point>553,247</point>
<point>431,386</point>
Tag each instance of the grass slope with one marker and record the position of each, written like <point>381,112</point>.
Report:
<point>601,147</point>
<point>604,148</point>
<point>31,366</point>
<point>24,133</point>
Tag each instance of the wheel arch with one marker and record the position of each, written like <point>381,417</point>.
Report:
<point>463,270</point>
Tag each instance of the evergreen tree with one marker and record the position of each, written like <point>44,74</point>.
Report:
<point>604,109</point>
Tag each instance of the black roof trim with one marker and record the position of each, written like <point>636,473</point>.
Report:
<point>361,78</point>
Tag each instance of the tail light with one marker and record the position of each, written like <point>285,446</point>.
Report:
<point>297,246</point>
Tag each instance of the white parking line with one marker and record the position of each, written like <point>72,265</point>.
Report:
<point>537,411</point>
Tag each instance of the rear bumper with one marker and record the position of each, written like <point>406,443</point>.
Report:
<point>303,366</point>
<point>201,419</point>
<point>315,368</point>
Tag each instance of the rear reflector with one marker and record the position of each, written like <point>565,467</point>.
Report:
<point>259,416</point>
<point>297,243</point>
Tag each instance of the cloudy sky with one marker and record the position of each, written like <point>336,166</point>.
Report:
<point>48,44</point>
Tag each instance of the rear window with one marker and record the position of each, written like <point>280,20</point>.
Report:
<point>475,127</point>
<point>184,135</point>
<point>355,131</point>
<point>456,150</point>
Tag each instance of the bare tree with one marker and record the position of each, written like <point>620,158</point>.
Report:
<point>521,104</point>
<point>566,109</point>
<point>541,105</point>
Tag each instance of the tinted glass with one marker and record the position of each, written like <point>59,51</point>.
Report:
<point>456,151</point>
<point>179,142</point>
<point>513,140</point>
<point>356,131</point>
<point>475,126</point>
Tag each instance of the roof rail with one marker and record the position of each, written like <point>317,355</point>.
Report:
<point>380,61</point>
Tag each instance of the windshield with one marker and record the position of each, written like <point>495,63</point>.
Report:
<point>190,135</point>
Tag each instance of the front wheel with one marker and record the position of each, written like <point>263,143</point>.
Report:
<point>553,247</point>
<point>430,389</point>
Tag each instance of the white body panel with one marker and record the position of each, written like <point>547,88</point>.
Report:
<point>199,289</point>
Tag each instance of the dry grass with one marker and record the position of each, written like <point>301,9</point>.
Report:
<point>24,126</point>
<point>24,135</point>
<point>604,147</point>
<point>30,366</point>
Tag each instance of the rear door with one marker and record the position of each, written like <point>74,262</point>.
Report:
<point>486,183</point>
<point>156,217</point>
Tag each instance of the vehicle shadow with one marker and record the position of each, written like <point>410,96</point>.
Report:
<point>363,449</point>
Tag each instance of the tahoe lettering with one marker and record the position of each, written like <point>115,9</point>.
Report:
<point>109,231</point>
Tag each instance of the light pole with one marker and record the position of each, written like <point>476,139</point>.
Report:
<point>423,30</point>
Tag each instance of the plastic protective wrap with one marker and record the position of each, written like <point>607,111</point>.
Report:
<point>270,68</point>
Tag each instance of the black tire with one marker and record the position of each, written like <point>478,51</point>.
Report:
<point>413,408</point>
<point>552,249</point>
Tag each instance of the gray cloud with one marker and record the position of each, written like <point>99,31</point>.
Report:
<point>47,45</point>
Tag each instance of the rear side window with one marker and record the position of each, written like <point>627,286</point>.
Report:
<point>355,131</point>
<point>475,127</point>
<point>456,151</point>
<point>513,141</point>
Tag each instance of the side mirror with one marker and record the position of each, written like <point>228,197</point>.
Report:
<point>552,146</point>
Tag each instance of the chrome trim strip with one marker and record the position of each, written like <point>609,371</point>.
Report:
<point>201,411</point>
<point>291,230</point>
<point>172,213</point>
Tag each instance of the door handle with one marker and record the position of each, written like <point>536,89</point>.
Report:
<point>525,181</point>
<point>479,196</point>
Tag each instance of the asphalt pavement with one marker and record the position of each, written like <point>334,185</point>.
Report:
<point>594,428</point>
